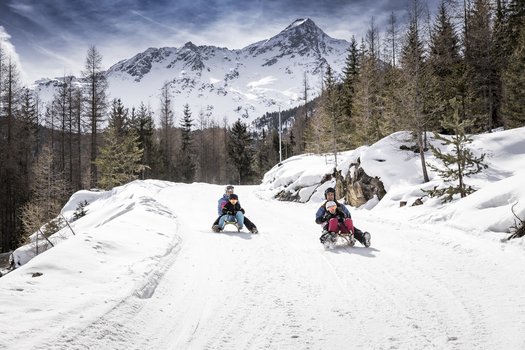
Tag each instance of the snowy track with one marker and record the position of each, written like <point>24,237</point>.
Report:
<point>417,287</point>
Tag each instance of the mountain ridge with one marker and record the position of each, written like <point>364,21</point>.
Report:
<point>229,83</point>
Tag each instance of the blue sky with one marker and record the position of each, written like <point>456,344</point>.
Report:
<point>51,37</point>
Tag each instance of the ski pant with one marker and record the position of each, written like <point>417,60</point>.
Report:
<point>346,226</point>
<point>238,218</point>
<point>249,225</point>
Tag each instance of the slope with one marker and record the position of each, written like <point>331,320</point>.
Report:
<point>418,286</point>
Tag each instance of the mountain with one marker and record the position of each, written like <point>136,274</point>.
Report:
<point>224,83</point>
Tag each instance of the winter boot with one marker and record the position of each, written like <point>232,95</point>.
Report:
<point>216,229</point>
<point>366,237</point>
<point>324,237</point>
<point>254,230</point>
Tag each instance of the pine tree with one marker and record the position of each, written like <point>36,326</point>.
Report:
<point>480,74</point>
<point>119,161</point>
<point>186,161</point>
<point>514,87</point>
<point>118,118</point>
<point>143,124</point>
<point>331,113</point>
<point>240,151</point>
<point>444,64</point>
<point>461,163</point>
<point>351,75</point>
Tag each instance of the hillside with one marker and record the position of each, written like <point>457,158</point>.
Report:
<point>144,269</point>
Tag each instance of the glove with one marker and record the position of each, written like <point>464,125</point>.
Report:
<point>340,219</point>
<point>230,213</point>
<point>242,210</point>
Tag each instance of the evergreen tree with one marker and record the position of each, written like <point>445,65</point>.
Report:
<point>143,124</point>
<point>351,75</point>
<point>461,163</point>
<point>444,63</point>
<point>481,74</point>
<point>186,161</point>
<point>265,154</point>
<point>514,87</point>
<point>120,159</point>
<point>118,118</point>
<point>240,151</point>
<point>331,112</point>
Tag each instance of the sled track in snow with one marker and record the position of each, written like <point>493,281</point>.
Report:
<point>112,330</point>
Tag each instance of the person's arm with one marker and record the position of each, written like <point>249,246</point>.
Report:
<point>228,209</point>
<point>320,215</point>
<point>344,209</point>
<point>220,205</point>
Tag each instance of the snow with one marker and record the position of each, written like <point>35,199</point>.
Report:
<point>144,270</point>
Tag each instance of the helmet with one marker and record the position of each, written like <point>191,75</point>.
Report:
<point>229,189</point>
<point>234,196</point>
<point>328,190</point>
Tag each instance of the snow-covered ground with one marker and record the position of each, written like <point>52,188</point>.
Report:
<point>144,270</point>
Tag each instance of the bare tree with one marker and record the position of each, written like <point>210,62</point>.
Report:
<point>96,103</point>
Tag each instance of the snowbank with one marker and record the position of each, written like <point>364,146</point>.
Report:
<point>486,211</point>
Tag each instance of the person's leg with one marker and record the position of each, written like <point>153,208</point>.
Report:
<point>239,217</point>
<point>333,225</point>
<point>222,221</point>
<point>362,237</point>
<point>249,224</point>
<point>216,221</point>
<point>347,226</point>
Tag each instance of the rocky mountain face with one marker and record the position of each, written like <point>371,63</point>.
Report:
<point>223,83</point>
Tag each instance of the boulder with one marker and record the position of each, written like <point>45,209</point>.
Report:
<point>359,187</point>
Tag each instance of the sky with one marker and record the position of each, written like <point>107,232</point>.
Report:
<point>51,37</point>
<point>144,270</point>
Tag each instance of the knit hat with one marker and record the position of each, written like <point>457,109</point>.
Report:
<point>234,196</point>
<point>330,204</point>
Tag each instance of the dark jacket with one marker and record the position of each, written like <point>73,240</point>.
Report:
<point>323,215</point>
<point>230,209</point>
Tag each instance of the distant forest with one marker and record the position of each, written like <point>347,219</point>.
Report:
<point>471,52</point>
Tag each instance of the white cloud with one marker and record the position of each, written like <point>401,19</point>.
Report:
<point>9,51</point>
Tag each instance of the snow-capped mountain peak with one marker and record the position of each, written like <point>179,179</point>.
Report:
<point>228,83</point>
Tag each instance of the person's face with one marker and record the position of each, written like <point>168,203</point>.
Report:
<point>330,196</point>
<point>233,201</point>
<point>332,209</point>
<point>229,191</point>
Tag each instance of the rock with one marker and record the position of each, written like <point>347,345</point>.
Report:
<point>360,187</point>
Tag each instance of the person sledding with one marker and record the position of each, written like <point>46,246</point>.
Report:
<point>232,213</point>
<point>225,198</point>
<point>336,220</point>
